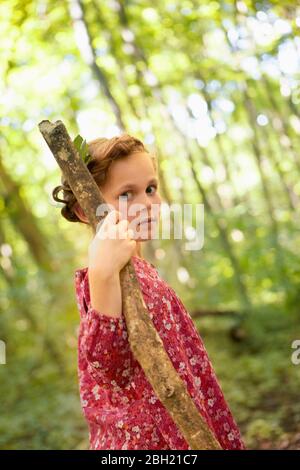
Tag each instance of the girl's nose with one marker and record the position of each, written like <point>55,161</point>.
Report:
<point>145,200</point>
<point>149,203</point>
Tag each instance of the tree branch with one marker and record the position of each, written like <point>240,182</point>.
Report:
<point>144,340</point>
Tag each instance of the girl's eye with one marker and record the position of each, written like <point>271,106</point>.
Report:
<point>153,186</point>
<point>122,195</point>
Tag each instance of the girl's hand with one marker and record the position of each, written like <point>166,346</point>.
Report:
<point>112,246</point>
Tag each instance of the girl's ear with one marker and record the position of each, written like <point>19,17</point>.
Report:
<point>79,212</point>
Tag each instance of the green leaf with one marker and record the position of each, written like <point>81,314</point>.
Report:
<point>82,148</point>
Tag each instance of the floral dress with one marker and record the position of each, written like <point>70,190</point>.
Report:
<point>118,402</point>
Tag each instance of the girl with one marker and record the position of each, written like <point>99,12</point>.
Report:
<point>118,402</point>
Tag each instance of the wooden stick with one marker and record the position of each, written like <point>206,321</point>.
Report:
<point>144,340</point>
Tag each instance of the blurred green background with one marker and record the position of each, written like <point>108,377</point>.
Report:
<point>213,88</point>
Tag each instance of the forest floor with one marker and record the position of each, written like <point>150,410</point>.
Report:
<point>40,406</point>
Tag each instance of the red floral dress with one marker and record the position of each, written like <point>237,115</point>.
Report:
<point>119,404</point>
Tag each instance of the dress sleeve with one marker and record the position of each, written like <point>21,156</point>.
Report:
<point>103,342</point>
<point>217,409</point>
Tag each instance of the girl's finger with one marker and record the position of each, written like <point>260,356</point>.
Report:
<point>123,224</point>
<point>122,228</point>
<point>112,218</point>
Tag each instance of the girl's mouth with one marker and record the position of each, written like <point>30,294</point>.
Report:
<point>147,221</point>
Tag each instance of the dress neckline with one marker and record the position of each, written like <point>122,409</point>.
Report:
<point>143,260</point>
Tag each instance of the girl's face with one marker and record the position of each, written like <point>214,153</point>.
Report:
<point>131,187</point>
